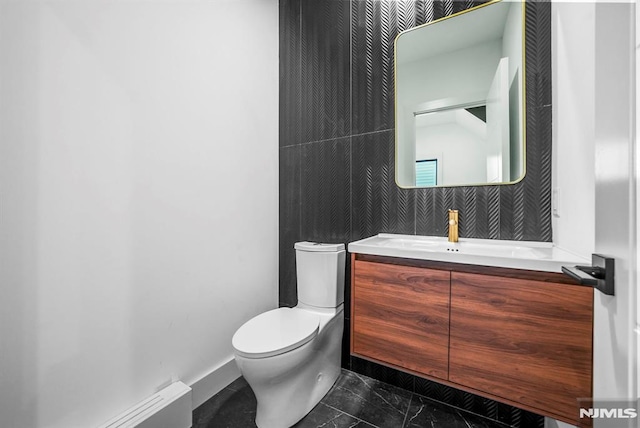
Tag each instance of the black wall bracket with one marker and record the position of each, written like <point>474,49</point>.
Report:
<point>599,275</point>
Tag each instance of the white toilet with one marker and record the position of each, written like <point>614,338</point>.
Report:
<point>291,356</point>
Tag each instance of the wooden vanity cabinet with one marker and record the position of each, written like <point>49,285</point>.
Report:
<point>520,337</point>
<point>524,340</point>
<point>401,316</point>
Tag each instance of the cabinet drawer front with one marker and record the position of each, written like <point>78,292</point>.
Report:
<point>528,341</point>
<point>401,316</point>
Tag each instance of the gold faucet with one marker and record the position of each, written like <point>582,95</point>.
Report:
<point>453,225</point>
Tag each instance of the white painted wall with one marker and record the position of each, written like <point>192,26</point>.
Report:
<point>134,235</point>
<point>573,176</point>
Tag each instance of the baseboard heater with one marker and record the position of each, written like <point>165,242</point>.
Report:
<point>168,408</point>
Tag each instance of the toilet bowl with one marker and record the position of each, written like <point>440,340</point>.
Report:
<point>290,357</point>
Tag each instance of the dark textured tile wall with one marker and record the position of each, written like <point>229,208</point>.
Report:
<point>337,138</point>
<point>325,69</point>
<point>337,161</point>
<point>377,203</point>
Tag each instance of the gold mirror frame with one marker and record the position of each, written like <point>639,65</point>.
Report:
<point>523,101</point>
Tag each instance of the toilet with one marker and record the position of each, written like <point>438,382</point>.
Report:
<point>291,356</point>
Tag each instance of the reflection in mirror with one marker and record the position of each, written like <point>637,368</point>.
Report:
<point>459,99</point>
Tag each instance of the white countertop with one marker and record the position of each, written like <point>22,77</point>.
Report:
<point>529,255</point>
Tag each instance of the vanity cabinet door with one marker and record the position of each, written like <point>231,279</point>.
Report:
<point>401,316</point>
<point>522,340</point>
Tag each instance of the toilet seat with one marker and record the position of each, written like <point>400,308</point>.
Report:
<point>275,332</point>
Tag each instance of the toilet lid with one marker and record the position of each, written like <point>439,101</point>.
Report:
<point>275,332</point>
<point>316,246</point>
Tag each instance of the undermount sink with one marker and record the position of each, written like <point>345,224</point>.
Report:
<point>511,254</point>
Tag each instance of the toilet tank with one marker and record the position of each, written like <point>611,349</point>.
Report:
<point>320,274</point>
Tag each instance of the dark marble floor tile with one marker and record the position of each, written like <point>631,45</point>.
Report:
<point>227,409</point>
<point>325,416</point>
<point>239,384</point>
<point>367,399</point>
<point>428,413</point>
<point>354,401</point>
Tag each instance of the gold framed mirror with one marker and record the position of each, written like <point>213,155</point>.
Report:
<point>460,99</point>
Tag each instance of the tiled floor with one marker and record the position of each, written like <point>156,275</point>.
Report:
<point>354,401</point>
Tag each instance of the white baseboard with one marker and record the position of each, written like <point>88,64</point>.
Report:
<point>168,408</point>
<point>212,383</point>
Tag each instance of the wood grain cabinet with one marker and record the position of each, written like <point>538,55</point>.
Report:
<point>401,316</point>
<point>520,337</point>
<point>524,340</point>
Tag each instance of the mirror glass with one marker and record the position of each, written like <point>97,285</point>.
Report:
<point>460,99</point>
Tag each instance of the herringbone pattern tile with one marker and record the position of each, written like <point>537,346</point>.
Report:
<point>337,163</point>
